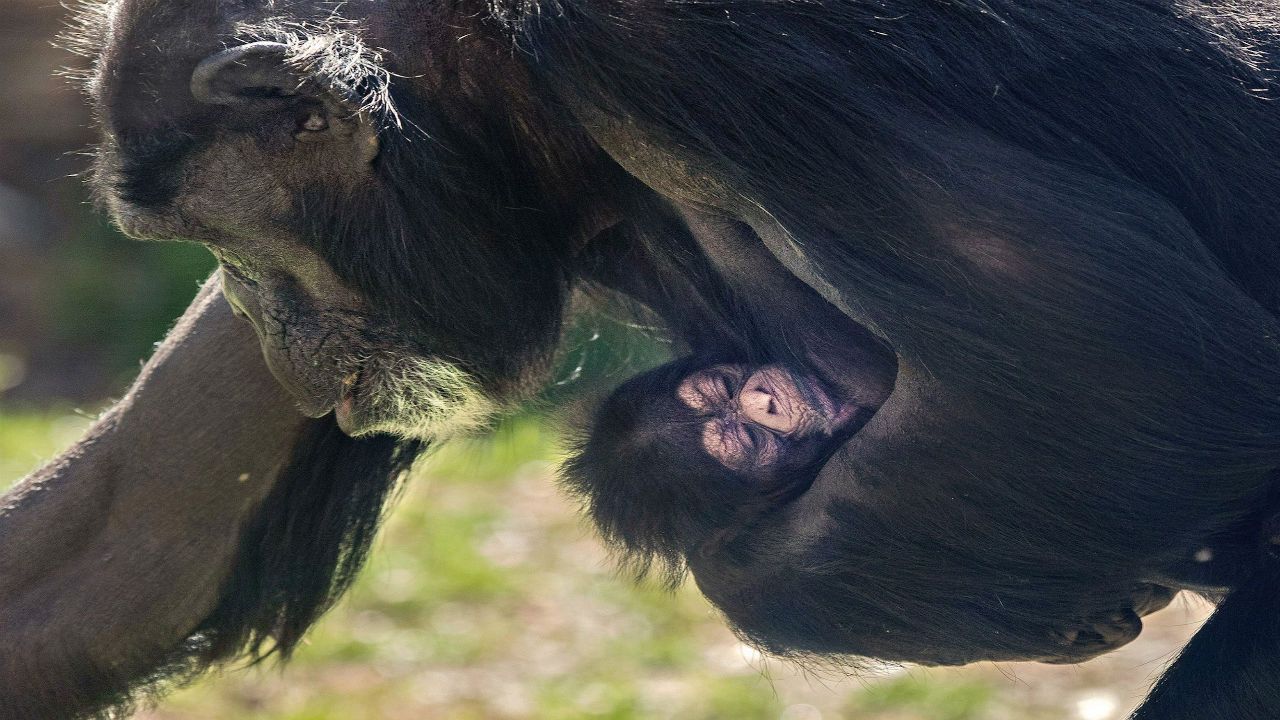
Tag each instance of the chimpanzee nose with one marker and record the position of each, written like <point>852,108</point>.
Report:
<point>763,403</point>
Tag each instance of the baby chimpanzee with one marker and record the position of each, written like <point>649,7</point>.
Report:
<point>683,457</point>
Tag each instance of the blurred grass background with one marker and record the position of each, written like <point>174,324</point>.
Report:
<point>485,597</point>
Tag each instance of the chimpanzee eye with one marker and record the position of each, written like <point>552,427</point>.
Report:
<point>759,438</point>
<point>763,444</point>
<point>726,385</point>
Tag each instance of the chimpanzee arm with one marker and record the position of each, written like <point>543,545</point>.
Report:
<point>199,518</point>
<point>113,552</point>
<point>1231,669</point>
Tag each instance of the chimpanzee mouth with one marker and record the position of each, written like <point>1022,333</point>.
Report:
<point>840,414</point>
<point>345,409</point>
<point>793,401</point>
<point>849,384</point>
<point>837,412</point>
<point>800,397</point>
<point>411,396</point>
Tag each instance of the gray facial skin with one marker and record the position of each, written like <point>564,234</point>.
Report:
<point>318,334</point>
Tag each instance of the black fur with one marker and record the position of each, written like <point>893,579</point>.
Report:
<point>1097,393</point>
<point>306,543</point>
<point>659,498</point>
<point>498,319</point>
<point>300,551</point>
<point>1230,670</point>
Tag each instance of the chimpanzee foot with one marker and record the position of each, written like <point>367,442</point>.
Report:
<point>1148,598</point>
<point>1103,633</point>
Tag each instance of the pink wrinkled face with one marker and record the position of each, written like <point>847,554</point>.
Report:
<point>751,413</point>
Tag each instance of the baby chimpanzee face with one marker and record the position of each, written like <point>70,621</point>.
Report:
<point>755,414</point>
<point>682,458</point>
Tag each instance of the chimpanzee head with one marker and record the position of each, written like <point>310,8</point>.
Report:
<point>393,232</point>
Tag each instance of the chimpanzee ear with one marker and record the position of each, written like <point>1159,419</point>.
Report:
<point>259,75</point>
<point>253,74</point>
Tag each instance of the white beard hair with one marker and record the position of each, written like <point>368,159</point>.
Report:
<point>418,398</point>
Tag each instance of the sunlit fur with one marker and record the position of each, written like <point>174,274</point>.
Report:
<point>419,398</point>
<point>333,52</point>
<point>463,267</point>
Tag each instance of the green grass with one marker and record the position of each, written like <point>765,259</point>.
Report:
<point>29,437</point>
<point>487,598</point>
<point>962,700</point>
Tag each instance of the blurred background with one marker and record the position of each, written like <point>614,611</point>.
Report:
<point>486,596</point>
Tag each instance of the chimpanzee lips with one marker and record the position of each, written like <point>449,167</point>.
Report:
<point>345,411</point>
<point>833,410</point>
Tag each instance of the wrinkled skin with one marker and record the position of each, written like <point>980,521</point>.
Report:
<point>1076,274</point>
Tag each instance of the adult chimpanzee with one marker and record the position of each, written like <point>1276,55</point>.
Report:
<point>1059,218</point>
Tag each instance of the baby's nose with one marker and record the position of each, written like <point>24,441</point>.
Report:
<point>761,406</point>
